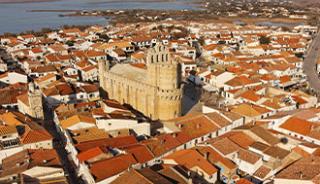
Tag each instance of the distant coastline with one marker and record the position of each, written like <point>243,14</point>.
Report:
<point>24,1</point>
<point>56,13</point>
<point>103,2</point>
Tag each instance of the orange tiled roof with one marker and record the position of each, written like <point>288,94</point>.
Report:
<point>196,125</point>
<point>250,95</point>
<point>91,153</point>
<point>243,181</point>
<point>161,144</point>
<point>297,125</point>
<point>140,152</point>
<point>190,159</point>
<point>241,139</point>
<point>5,130</point>
<point>33,136</point>
<point>215,158</point>
<point>108,142</point>
<point>248,156</point>
<point>225,146</point>
<point>110,167</point>
<point>77,119</point>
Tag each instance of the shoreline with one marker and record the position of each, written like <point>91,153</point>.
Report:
<point>127,15</point>
<point>25,1</point>
<point>45,30</point>
<point>49,11</point>
<point>130,16</point>
<point>104,2</point>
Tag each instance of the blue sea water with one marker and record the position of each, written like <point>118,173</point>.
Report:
<point>16,17</point>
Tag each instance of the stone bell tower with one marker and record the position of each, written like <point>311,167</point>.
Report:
<point>164,74</point>
<point>35,102</point>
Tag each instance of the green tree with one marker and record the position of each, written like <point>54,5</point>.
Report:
<point>70,43</point>
<point>264,40</point>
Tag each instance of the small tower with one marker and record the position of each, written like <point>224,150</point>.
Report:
<point>35,102</point>
<point>104,67</point>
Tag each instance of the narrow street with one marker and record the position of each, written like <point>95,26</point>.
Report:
<point>310,63</point>
<point>59,145</point>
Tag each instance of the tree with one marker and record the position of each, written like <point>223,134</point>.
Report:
<point>284,140</point>
<point>104,37</point>
<point>70,43</point>
<point>264,40</point>
<point>286,29</point>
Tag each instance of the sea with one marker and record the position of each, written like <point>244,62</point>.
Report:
<point>17,16</point>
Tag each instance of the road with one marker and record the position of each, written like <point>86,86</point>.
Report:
<point>309,64</point>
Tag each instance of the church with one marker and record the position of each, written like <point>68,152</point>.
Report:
<point>31,102</point>
<point>152,88</point>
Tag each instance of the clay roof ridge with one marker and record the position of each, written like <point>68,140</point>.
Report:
<point>213,122</point>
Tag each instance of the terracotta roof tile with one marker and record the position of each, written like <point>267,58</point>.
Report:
<point>91,153</point>
<point>248,156</point>
<point>161,144</point>
<point>6,130</point>
<point>241,139</point>
<point>303,169</point>
<point>214,157</point>
<point>144,176</point>
<point>196,126</point>
<point>77,119</point>
<point>33,136</point>
<point>262,172</point>
<point>191,159</point>
<point>276,152</point>
<point>265,135</point>
<point>259,146</point>
<point>88,134</point>
<point>301,152</point>
<point>297,125</point>
<point>225,146</point>
<point>140,152</point>
<point>104,169</point>
<point>109,142</point>
<point>243,181</point>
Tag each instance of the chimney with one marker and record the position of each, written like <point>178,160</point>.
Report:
<point>130,167</point>
<point>189,178</point>
<point>174,135</point>
<point>301,175</point>
<point>206,155</point>
<point>162,141</point>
